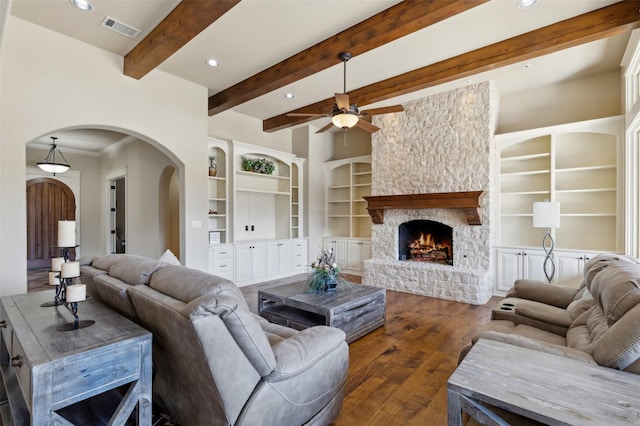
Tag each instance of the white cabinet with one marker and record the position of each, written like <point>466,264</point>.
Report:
<point>279,255</point>
<point>221,260</point>
<point>250,262</point>
<point>255,214</point>
<point>514,264</point>
<point>570,264</point>
<point>358,252</point>
<point>339,247</point>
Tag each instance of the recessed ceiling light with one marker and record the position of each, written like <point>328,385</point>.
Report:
<point>82,4</point>
<point>523,4</point>
<point>212,62</point>
<point>525,66</point>
<point>289,95</point>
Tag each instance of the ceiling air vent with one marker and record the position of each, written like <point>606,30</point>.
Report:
<point>120,27</point>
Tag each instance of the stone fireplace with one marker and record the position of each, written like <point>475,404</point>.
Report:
<point>440,148</point>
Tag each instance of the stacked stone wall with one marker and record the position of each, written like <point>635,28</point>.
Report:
<point>442,143</point>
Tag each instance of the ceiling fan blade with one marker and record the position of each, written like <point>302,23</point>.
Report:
<point>383,110</point>
<point>325,128</point>
<point>366,126</point>
<point>342,100</point>
<point>300,114</point>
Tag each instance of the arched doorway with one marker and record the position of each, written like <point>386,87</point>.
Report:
<point>48,201</point>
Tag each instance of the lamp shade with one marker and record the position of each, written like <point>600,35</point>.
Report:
<point>546,214</point>
<point>345,120</point>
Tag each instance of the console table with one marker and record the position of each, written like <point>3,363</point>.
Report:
<point>45,370</point>
<point>547,388</point>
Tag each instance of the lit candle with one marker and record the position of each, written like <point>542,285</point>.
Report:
<point>66,233</point>
<point>56,263</point>
<point>76,293</point>
<point>70,270</point>
<point>54,278</point>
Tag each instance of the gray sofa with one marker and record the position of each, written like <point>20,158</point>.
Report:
<point>215,362</point>
<point>602,318</point>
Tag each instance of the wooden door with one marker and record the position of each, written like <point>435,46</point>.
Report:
<point>48,201</point>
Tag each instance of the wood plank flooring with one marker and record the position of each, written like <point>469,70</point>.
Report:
<point>398,373</point>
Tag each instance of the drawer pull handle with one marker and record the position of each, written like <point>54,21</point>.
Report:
<point>15,361</point>
<point>223,266</point>
<point>3,324</point>
<point>223,252</point>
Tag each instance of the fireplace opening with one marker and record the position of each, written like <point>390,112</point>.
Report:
<point>425,241</point>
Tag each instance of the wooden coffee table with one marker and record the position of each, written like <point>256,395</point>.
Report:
<point>547,388</point>
<point>354,308</point>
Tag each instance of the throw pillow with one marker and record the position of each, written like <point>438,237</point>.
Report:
<point>169,258</point>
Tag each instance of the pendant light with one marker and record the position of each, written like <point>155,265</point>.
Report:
<point>51,164</point>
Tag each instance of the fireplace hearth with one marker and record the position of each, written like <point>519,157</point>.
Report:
<point>425,241</point>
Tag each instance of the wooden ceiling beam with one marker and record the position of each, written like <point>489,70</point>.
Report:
<point>391,24</point>
<point>601,23</point>
<point>188,19</point>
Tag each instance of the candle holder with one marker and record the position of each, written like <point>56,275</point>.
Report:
<point>71,302</point>
<point>61,286</point>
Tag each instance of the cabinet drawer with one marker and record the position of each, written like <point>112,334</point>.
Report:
<point>18,362</point>
<point>222,265</point>
<point>222,252</point>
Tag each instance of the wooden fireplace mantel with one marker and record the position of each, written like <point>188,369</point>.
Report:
<point>466,202</point>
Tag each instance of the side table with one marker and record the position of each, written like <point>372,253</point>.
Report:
<point>547,388</point>
<point>45,370</point>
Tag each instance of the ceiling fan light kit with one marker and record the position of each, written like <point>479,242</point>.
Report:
<point>345,120</point>
<point>345,115</point>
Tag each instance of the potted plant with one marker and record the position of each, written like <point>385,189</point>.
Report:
<point>213,166</point>
<point>325,272</point>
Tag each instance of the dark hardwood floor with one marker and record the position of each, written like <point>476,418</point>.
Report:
<point>398,373</point>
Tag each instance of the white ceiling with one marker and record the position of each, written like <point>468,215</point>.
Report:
<point>256,34</point>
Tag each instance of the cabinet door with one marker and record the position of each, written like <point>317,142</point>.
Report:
<point>358,252</point>
<point>508,268</point>
<point>258,260</point>
<point>339,247</point>
<point>242,211</point>
<point>571,264</point>
<point>533,265</point>
<point>286,254</point>
<point>243,262</point>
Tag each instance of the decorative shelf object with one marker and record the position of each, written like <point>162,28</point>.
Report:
<point>466,202</point>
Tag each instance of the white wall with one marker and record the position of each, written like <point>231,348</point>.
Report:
<point>316,148</point>
<point>51,82</point>
<point>230,125</point>
<point>568,102</point>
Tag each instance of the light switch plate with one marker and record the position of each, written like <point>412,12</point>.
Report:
<point>196,224</point>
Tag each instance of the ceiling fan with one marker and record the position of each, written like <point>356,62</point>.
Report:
<point>345,115</point>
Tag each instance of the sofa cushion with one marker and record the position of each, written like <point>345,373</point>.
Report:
<point>134,270</point>
<point>106,262</point>
<point>187,284</point>
<point>242,325</point>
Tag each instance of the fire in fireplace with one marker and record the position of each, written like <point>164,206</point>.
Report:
<point>425,241</point>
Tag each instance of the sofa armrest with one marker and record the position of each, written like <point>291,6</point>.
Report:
<point>539,291</point>
<point>301,351</point>
<point>537,345</point>
<point>543,312</point>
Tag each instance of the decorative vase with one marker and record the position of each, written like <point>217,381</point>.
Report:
<point>213,171</point>
<point>331,283</point>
